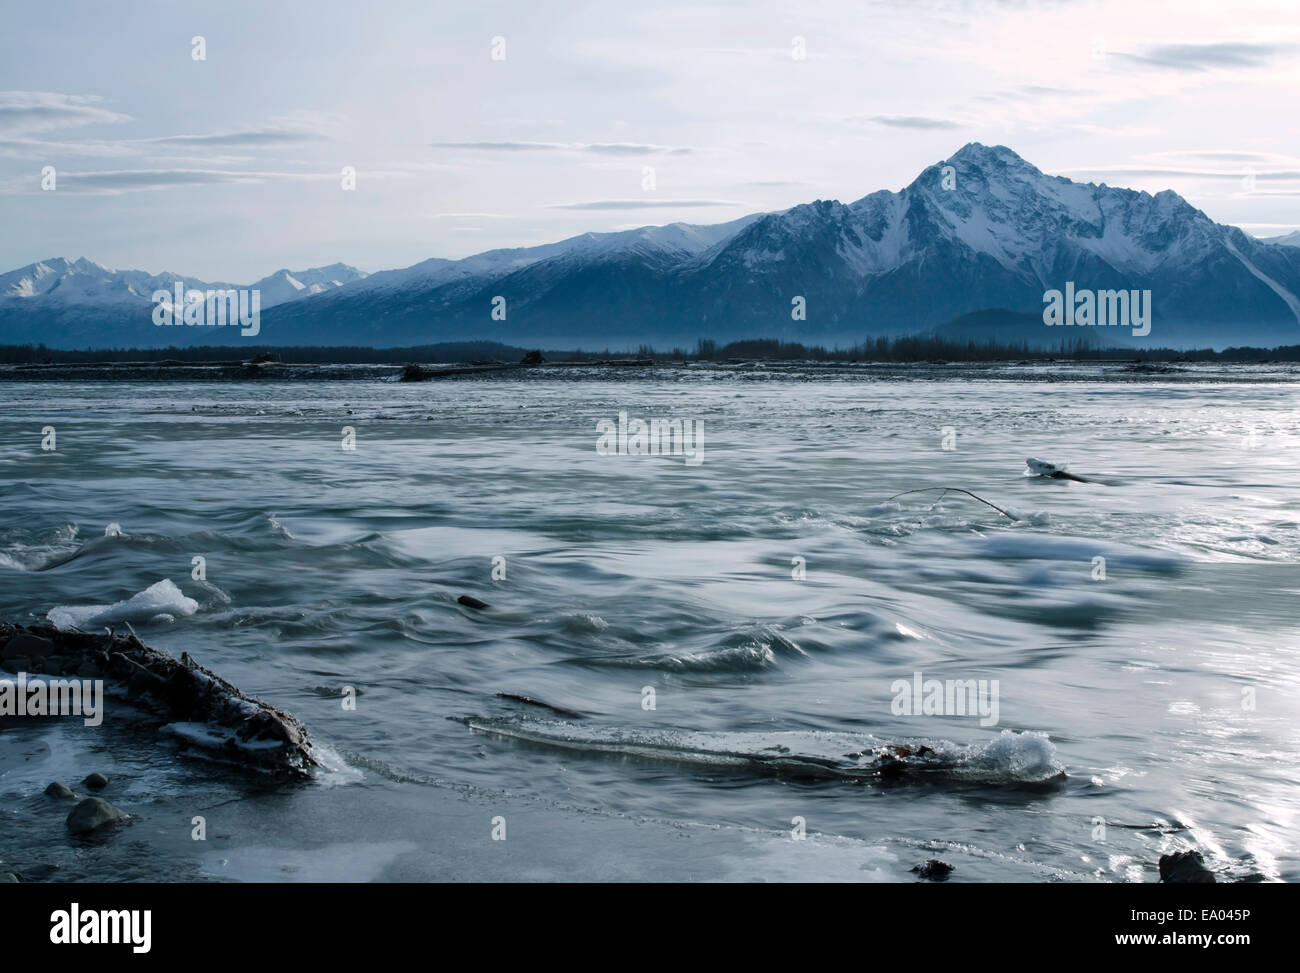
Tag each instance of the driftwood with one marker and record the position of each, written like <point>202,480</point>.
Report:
<point>954,490</point>
<point>221,720</point>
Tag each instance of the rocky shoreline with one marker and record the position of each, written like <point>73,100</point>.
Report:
<point>197,707</point>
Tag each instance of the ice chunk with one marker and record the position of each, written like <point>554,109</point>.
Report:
<point>160,598</point>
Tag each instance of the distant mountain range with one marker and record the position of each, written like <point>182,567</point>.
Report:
<point>1291,239</point>
<point>969,247</point>
<point>79,303</point>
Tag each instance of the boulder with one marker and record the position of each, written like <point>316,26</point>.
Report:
<point>1185,868</point>
<point>933,869</point>
<point>91,814</point>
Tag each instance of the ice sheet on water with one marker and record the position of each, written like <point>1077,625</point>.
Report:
<point>1010,758</point>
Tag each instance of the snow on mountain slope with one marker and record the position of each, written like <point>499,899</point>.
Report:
<point>1291,300</point>
<point>681,238</point>
<point>67,282</point>
<point>981,230</point>
<point>290,285</point>
<point>62,281</point>
<point>990,201</point>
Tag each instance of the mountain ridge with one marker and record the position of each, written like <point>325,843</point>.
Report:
<point>982,229</point>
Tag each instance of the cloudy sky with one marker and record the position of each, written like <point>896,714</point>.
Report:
<point>600,116</point>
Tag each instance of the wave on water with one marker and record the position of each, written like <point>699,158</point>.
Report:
<point>741,652</point>
<point>22,549</point>
<point>1011,758</point>
<point>25,550</point>
<point>161,601</point>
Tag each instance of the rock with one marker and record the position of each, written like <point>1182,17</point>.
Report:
<point>27,646</point>
<point>934,869</point>
<point>8,877</point>
<point>532,358</point>
<point>57,789</point>
<point>91,814</point>
<point>96,780</point>
<point>1185,868</point>
<point>333,692</point>
<point>469,601</point>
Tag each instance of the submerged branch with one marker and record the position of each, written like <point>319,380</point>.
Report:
<point>955,490</point>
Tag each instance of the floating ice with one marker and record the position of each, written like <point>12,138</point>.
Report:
<point>1010,758</point>
<point>160,598</point>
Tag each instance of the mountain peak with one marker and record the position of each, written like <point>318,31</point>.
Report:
<point>979,152</point>
<point>979,155</point>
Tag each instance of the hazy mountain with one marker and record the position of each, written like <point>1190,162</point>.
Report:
<point>1291,239</point>
<point>291,285</point>
<point>982,230</point>
<point>79,303</point>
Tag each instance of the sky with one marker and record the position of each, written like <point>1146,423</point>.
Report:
<point>472,126</point>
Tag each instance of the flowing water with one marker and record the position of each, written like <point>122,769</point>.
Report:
<point>726,643</point>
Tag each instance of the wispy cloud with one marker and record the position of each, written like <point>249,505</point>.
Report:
<point>255,138</point>
<point>914,122</point>
<point>597,148</point>
<point>1228,157</point>
<point>1117,131</point>
<point>1280,193</point>
<point>612,204</point>
<point>1127,172</point>
<point>116,182</point>
<point>41,111</point>
<point>283,133</point>
<point>1206,57</point>
<point>28,148</point>
<point>1022,91</point>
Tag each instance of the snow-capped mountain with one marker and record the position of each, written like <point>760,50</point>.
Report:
<point>79,303</point>
<point>63,281</point>
<point>982,230</point>
<point>291,285</point>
